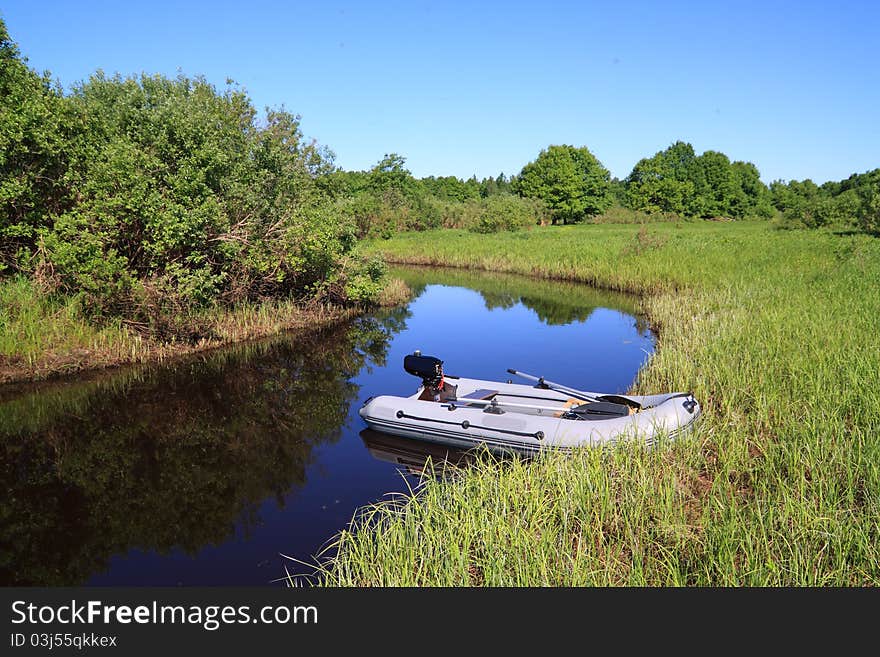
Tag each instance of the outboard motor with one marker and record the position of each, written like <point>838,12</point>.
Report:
<point>430,370</point>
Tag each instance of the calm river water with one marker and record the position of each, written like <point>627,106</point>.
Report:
<point>206,471</point>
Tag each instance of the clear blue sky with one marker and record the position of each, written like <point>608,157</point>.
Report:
<point>464,88</point>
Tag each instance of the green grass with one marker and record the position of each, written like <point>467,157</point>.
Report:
<point>44,336</point>
<point>778,335</point>
<point>37,329</point>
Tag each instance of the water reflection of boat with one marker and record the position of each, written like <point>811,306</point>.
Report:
<point>411,454</point>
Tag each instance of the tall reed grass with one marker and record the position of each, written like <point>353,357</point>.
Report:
<point>779,337</point>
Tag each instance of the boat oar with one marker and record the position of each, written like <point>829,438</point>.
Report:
<point>580,394</point>
<point>493,405</point>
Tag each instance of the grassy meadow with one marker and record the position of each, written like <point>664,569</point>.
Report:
<point>776,332</point>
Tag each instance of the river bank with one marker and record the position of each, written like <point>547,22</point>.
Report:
<point>43,337</point>
<point>775,332</point>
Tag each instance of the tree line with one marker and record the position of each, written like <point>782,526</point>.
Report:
<point>853,202</point>
<point>676,181</point>
<point>568,184</point>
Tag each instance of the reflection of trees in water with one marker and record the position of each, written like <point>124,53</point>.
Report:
<point>555,302</point>
<point>374,334</point>
<point>556,311</point>
<point>170,457</point>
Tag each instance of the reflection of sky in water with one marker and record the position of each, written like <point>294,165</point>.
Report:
<point>602,353</point>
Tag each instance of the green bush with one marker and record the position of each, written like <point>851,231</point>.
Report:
<point>854,202</point>
<point>179,188</point>
<point>148,195</point>
<point>366,281</point>
<point>499,213</point>
<point>868,212</point>
<point>34,128</point>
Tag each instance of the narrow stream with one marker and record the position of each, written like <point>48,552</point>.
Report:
<point>206,470</point>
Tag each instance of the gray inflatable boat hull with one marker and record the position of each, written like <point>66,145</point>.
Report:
<point>524,418</point>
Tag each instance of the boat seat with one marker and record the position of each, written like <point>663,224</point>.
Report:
<point>600,411</point>
<point>482,393</point>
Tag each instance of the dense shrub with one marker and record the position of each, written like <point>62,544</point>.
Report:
<point>868,214</point>
<point>148,197</point>
<point>179,188</point>
<point>618,214</point>
<point>365,281</point>
<point>498,213</point>
<point>34,129</point>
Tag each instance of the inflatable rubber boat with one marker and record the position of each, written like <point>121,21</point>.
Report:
<point>465,413</point>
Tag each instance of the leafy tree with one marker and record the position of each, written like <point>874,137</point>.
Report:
<point>752,197</point>
<point>779,194</point>
<point>793,199</point>
<point>473,187</point>
<point>653,186</point>
<point>338,184</point>
<point>667,182</point>
<point>488,187</point>
<point>617,191</point>
<point>718,197</point>
<point>390,175</point>
<point>869,212</point>
<point>504,184</point>
<point>857,200</point>
<point>447,188</point>
<point>676,180</point>
<point>492,186</point>
<point>571,181</point>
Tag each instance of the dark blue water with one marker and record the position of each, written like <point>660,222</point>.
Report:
<point>206,471</point>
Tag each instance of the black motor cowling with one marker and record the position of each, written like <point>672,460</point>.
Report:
<point>427,368</point>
